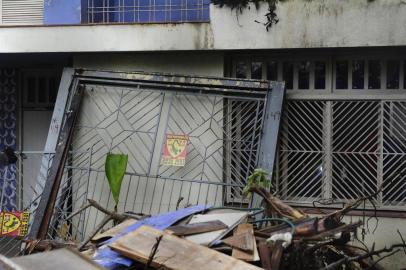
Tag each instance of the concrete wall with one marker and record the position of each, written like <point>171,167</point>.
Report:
<point>200,63</point>
<point>385,234</point>
<point>303,24</point>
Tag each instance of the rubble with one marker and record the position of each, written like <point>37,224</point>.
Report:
<point>201,237</point>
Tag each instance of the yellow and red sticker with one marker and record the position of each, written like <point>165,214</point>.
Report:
<point>174,153</point>
<point>14,224</point>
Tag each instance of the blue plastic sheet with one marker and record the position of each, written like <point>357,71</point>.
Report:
<point>110,259</point>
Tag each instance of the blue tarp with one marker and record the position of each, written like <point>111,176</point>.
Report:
<point>110,259</point>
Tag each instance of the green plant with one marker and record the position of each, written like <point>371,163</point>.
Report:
<point>116,165</point>
<point>258,178</point>
<point>240,5</point>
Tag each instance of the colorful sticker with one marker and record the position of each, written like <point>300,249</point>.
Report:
<point>174,153</point>
<point>14,224</point>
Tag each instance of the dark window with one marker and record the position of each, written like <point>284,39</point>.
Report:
<point>304,74</point>
<point>341,75</point>
<point>392,74</point>
<point>53,90</point>
<point>31,89</point>
<point>288,74</point>
<point>272,71</point>
<point>319,75</point>
<point>374,74</point>
<point>42,90</point>
<point>256,70</point>
<point>404,75</point>
<point>358,74</point>
<point>241,70</point>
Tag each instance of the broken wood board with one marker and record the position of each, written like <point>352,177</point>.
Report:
<point>241,254</point>
<point>174,253</point>
<point>265,255</point>
<point>113,231</point>
<point>207,239</point>
<point>61,259</point>
<point>196,228</point>
<point>243,241</point>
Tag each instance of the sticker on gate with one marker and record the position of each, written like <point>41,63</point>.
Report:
<point>174,152</point>
<point>14,224</point>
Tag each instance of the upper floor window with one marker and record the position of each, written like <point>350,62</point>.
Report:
<point>145,11</point>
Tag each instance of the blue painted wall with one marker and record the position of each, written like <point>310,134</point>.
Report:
<point>62,11</point>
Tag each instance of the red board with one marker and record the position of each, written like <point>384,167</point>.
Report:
<point>14,224</point>
<point>174,153</point>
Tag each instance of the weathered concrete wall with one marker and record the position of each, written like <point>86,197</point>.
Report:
<point>303,24</point>
<point>201,63</point>
<point>384,235</point>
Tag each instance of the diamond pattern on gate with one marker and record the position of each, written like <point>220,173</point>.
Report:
<point>111,120</point>
<point>223,140</point>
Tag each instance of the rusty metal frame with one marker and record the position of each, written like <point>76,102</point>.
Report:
<point>168,82</point>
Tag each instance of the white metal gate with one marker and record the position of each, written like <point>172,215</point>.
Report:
<point>343,149</point>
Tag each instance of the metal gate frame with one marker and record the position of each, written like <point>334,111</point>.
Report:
<point>74,79</point>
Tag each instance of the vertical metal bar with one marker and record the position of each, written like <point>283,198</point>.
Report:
<point>350,66</point>
<point>402,74</point>
<point>45,209</point>
<point>380,153</point>
<point>20,118</point>
<point>384,79</point>
<point>82,219</point>
<point>295,75</point>
<point>327,185</point>
<point>54,130</point>
<point>271,127</point>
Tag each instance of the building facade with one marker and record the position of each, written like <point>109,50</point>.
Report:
<point>343,62</point>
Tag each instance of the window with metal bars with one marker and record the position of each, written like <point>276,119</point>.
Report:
<point>40,89</point>
<point>327,74</point>
<point>145,11</point>
<point>336,148</point>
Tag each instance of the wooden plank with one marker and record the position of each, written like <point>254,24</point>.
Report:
<point>265,255</point>
<point>174,253</point>
<point>195,228</point>
<point>277,252</point>
<point>244,255</point>
<point>230,219</point>
<point>243,241</point>
<point>113,231</point>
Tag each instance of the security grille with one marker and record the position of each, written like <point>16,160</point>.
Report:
<point>342,133</point>
<point>145,11</point>
<point>341,150</point>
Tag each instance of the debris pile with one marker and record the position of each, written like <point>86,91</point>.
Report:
<point>199,237</point>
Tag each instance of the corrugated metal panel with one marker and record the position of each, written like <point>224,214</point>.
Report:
<point>17,12</point>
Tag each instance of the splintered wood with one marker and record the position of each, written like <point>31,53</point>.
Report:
<point>238,253</point>
<point>195,228</point>
<point>174,253</point>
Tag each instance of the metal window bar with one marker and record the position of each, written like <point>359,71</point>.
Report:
<point>367,149</point>
<point>147,11</point>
